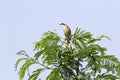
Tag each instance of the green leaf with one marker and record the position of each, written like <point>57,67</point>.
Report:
<point>22,52</point>
<point>24,67</point>
<point>36,74</point>
<point>18,61</point>
<point>38,54</point>
<point>81,59</point>
<point>54,75</point>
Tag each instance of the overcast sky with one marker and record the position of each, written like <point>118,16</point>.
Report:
<point>23,21</point>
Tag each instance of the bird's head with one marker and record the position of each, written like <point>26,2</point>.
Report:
<point>62,24</point>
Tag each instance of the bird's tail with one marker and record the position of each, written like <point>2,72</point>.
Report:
<point>68,40</point>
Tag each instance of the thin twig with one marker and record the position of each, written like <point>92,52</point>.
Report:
<point>37,62</point>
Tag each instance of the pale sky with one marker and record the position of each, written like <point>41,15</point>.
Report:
<point>23,21</point>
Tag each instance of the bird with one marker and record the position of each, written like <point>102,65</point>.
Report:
<point>67,31</point>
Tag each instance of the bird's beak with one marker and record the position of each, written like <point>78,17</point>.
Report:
<point>60,23</point>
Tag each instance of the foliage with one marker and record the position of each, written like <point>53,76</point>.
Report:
<point>81,59</point>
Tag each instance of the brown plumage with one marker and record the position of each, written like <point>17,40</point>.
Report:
<point>67,31</point>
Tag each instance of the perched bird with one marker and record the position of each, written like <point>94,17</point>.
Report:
<point>67,31</point>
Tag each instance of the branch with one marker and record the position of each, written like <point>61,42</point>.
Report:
<point>37,62</point>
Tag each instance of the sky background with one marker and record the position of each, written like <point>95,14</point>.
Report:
<point>22,22</point>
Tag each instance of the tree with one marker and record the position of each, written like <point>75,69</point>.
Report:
<point>81,59</point>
